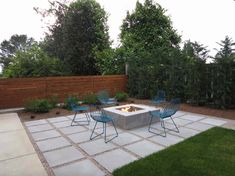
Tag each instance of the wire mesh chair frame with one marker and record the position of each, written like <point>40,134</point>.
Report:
<point>160,98</point>
<point>104,99</point>
<point>167,112</point>
<point>79,109</point>
<point>100,116</point>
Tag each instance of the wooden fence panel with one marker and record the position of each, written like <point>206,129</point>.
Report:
<point>15,92</point>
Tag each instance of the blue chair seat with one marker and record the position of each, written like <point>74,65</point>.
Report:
<point>102,118</point>
<point>80,108</point>
<point>164,113</point>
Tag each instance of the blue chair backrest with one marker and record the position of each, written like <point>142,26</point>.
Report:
<point>71,103</point>
<point>171,108</point>
<point>103,96</point>
<point>161,94</point>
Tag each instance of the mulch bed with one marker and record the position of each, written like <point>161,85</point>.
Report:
<point>228,114</point>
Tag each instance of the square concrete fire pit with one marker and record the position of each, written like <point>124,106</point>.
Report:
<point>131,115</point>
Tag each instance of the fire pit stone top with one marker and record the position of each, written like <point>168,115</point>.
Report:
<point>130,109</point>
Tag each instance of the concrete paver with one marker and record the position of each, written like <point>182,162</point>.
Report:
<point>144,148</point>
<point>199,126</point>
<point>17,155</point>
<point>96,146</point>
<point>114,159</point>
<point>82,168</point>
<point>39,128</point>
<point>51,144</point>
<point>61,156</point>
<point>45,135</point>
<point>14,144</point>
<point>28,165</point>
<point>215,122</point>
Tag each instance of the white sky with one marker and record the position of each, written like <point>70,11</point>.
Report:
<point>206,21</point>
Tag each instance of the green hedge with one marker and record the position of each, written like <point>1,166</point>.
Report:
<point>193,81</point>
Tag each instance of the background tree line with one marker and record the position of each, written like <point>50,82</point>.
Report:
<point>78,44</point>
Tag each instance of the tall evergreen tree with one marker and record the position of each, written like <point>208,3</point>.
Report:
<point>8,48</point>
<point>79,32</point>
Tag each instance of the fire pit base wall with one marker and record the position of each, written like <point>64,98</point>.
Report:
<point>130,120</point>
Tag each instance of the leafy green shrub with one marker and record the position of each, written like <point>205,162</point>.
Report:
<point>53,100</point>
<point>90,99</point>
<point>72,99</point>
<point>121,96</point>
<point>38,106</point>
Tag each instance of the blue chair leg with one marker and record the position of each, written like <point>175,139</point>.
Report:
<point>169,129</point>
<point>80,122</point>
<point>106,141</point>
<point>91,138</point>
<point>162,125</point>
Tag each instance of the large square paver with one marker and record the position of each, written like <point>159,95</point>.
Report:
<point>215,122</point>
<point>110,130</point>
<point>158,127</point>
<point>10,122</point>
<point>96,146</point>
<point>125,138</point>
<point>39,128</point>
<point>45,135</point>
<point>199,126</point>
<point>62,156</point>
<point>51,144</point>
<point>35,122</point>
<point>80,137</point>
<point>62,124</point>
<point>114,159</point>
<point>143,132</point>
<point>185,132</point>
<point>179,113</point>
<point>193,118</point>
<point>72,129</point>
<point>14,144</point>
<point>28,165</point>
<point>58,119</point>
<point>166,141</point>
<point>144,148</point>
<point>81,168</point>
<point>179,122</point>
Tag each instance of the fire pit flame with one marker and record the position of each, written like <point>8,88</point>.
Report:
<point>129,109</point>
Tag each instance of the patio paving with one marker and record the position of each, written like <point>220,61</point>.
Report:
<point>69,151</point>
<point>16,151</point>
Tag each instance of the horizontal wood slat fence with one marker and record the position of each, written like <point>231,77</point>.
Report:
<point>16,91</point>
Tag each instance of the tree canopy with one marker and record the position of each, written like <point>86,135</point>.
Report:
<point>79,32</point>
<point>8,48</point>
<point>33,62</point>
<point>148,27</point>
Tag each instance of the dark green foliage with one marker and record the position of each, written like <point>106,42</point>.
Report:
<point>72,99</point>
<point>8,48</point>
<point>156,62</point>
<point>90,99</point>
<point>148,27</point>
<point>209,153</point>
<point>111,61</point>
<point>34,62</point>
<point>54,100</point>
<point>150,43</point>
<point>226,50</point>
<point>38,106</point>
<point>121,96</point>
<point>79,33</point>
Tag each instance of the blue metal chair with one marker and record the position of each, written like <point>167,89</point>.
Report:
<point>167,112</point>
<point>103,97</point>
<point>100,116</point>
<point>79,109</point>
<point>160,98</point>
